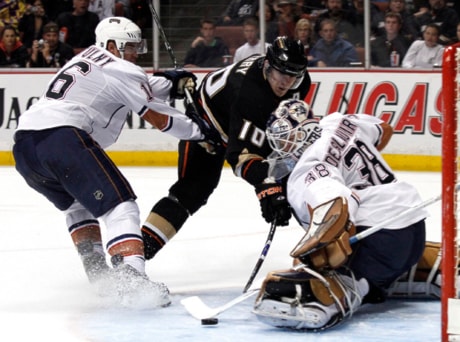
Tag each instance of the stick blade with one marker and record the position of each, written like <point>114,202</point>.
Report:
<point>195,307</point>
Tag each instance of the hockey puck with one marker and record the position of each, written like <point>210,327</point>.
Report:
<point>209,321</point>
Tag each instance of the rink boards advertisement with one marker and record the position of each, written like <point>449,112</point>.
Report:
<point>408,100</point>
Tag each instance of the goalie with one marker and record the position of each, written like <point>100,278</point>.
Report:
<point>339,185</point>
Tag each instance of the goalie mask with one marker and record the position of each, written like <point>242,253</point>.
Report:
<point>290,129</point>
<point>122,31</point>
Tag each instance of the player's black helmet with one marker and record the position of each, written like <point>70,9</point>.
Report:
<point>287,56</point>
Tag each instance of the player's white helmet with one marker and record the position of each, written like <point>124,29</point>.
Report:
<point>122,31</point>
<point>291,128</point>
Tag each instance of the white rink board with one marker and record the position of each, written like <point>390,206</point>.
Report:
<point>408,100</point>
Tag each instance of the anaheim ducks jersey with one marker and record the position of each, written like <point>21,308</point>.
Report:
<point>344,161</point>
<point>238,100</point>
<point>95,91</point>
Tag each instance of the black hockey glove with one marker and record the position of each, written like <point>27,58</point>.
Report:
<point>273,203</point>
<point>180,79</point>
<point>212,141</point>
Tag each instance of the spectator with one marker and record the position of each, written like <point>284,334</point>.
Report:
<point>237,11</point>
<point>77,28</point>
<point>445,17</point>
<point>55,7</point>
<point>271,23</point>
<point>457,40</point>
<point>425,53</point>
<point>304,32</point>
<point>49,52</point>
<point>331,50</point>
<point>31,24</point>
<point>288,15</point>
<point>409,27</point>
<point>253,44</point>
<point>140,13</point>
<point>206,50</point>
<point>356,10</point>
<point>389,49</point>
<point>11,12</point>
<point>344,19</point>
<point>123,8</point>
<point>13,54</point>
<point>103,8</point>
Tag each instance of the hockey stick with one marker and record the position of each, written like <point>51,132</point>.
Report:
<point>195,306</point>
<point>377,227</point>
<point>262,256</point>
<point>163,35</point>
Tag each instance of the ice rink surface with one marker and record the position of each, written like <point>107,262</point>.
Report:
<point>44,294</point>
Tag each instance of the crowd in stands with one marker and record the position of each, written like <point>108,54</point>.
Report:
<point>404,33</point>
<point>47,33</point>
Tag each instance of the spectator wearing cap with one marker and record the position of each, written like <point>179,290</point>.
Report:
<point>49,52</point>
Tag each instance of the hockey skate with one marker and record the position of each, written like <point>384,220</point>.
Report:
<point>136,290</point>
<point>94,263</point>
<point>307,300</point>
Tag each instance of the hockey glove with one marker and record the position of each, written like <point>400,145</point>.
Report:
<point>180,79</point>
<point>212,141</point>
<point>273,203</point>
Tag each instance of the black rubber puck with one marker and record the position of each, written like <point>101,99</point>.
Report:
<point>209,321</point>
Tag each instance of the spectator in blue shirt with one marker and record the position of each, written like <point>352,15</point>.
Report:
<point>331,50</point>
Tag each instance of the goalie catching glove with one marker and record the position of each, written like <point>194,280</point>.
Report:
<point>307,300</point>
<point>273,203</point>
<point>326,244</point>
<point>181,80</point>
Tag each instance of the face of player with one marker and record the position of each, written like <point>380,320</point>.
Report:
<point>130,53</point>
<point>279,82</point>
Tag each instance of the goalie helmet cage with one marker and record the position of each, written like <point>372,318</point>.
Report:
<point>450,304</point>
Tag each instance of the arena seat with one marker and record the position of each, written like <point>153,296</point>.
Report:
<point>232,36</point>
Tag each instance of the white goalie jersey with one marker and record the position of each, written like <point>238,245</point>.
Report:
<point>95,91</point>
<point>344,161</point>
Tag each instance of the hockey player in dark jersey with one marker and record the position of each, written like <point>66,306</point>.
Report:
<point>237,101</point>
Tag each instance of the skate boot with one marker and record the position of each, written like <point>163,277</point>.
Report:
<point>135,289</point>
<point>94,263</point>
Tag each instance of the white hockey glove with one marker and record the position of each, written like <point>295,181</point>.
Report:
<point>181,80</point>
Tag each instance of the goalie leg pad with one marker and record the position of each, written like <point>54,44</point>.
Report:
<point>424,278</point>
<point>307,300</point>
<point>326,244</point>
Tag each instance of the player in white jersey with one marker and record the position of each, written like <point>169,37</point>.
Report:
<point>59,150</point>
<point>339,185</point>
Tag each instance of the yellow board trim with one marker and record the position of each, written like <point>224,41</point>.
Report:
<point>169,158</point>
